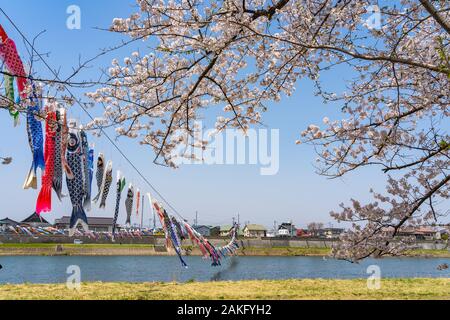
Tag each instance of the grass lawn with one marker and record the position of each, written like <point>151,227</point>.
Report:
<point>285,251</point>
<point>256,289</point>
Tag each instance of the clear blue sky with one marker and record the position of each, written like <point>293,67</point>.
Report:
<point>217,192</point>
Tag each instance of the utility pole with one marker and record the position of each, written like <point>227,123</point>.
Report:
<point>196,218</point>
<point>239,218</point>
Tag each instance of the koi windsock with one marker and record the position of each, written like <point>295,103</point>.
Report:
<point>107,180</point>
<point>75,185</point>
<point>138,199</point>
<point>151,204</point>
<point>86,181</point>
<point>64,141</point>
<point>169,231</point>
<point>99,175</point>
<point>129,204</point>
<point>44,200</point>
<point>11,59</point>
<point>35,140</point>
<point>120,186</point>
<point>9,92</point>
<point>58,169</point>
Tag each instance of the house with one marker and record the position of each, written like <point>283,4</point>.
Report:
<point>6,223</point>
<point>326,233</point>
<point>99,224</point>
<point>214,231</point>
<point>224,231</point>
<point>332,233</point>
<point>443,233</point>
<point>35,221</point>
<point>254,231</point>
<point>203,230</point>
<point>420,233</point>
<point>302,233</point>
<point>271,233</point>
<point>286,229</point>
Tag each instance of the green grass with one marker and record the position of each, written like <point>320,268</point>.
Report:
<point>286,251</point>
<point>255,289</point>
<point>429,252</point>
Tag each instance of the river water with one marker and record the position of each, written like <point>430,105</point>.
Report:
<point>42,269</point>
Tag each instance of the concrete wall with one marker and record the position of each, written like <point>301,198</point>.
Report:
<point>67,239</point>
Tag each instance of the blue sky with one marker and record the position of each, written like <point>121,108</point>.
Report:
<point>217,192</point>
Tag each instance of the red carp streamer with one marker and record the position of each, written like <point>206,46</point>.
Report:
<point>44,201</point>
<point>10,56</point>
<point>138,198</point>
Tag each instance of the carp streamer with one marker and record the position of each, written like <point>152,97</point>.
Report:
<point>175,232</point>
<point>64,150</point>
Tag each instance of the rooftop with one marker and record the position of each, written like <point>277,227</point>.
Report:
<point>35,218</point>
<point>255,227</point>
<point>226,227</point>
<point>8,221</point>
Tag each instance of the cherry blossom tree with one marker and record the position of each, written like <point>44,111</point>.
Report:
<point>239,55</point>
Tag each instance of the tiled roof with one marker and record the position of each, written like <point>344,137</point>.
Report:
<point>35,218</point>
<point>255,227</point>
<point>8,221</point>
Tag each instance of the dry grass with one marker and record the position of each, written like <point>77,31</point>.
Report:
<point>254,290</point>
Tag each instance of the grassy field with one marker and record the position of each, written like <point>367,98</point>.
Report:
<point>254,290</point>
<point>285,251</point>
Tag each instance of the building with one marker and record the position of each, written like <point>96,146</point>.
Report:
<point>325,233</point>
<point>302,233</point>
<point>417,233</point>
<point>254,231</point>
<point>35,221</point>
<point>6,223</point>
<point>420,233</point>
<point>203,230</point>
<point>214,231</point>
<point>99,224</point>
<point>286,229</point>
<point>224,231</point>
<point>443,233</point>
<point>271,233</point>
<point>330,233</point>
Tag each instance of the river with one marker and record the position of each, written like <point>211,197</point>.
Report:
<point>45,269</point>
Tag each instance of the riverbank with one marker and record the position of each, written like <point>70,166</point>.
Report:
<point>49,249</point>
<point>398,289</point>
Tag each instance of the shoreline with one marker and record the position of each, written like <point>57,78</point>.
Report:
<point>294,289</point>
<point>48,249</point>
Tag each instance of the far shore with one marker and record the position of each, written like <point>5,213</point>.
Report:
<point>116,249</point>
